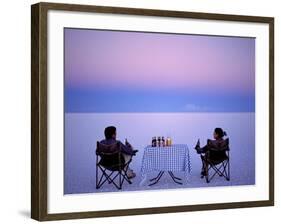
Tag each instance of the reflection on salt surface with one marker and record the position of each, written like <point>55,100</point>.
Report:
<point>83,130</point>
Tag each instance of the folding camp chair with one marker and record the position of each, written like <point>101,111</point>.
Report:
<point>217,160</point>
<point>111,163</point>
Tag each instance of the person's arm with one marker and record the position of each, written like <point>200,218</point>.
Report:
<point>131,147</point>
<point>125,149</point>
<point>216,145</point>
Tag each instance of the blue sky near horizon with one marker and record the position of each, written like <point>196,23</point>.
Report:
<point>117,71</point>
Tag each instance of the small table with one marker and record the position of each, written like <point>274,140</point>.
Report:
<point>165,159</point>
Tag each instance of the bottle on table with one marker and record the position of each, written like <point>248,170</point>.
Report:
<point>163,141</point>
<point>168,141</point>
<point>159,141</point>
<point>154,142</point>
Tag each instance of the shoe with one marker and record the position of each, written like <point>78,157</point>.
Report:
<point>203,173</point>
<point>131,175</point>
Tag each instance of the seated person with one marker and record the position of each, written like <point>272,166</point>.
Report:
<point>213,155</point>
<point>127,150</point>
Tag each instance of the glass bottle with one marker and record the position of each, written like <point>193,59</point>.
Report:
<point>159,141</point>
<point>163,141</point>
<point>153,143</point>
<point>167,141</point>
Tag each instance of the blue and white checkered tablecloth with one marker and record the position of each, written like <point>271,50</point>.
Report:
<point>168,158</point>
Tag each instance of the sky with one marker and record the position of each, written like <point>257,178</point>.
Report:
<point>117,71</point>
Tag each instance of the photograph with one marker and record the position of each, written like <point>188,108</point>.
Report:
<point>156,111</point>
<point>140,112</point>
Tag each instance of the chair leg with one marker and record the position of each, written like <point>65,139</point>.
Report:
<point>203,166</point>
<point>222,170</point>
<point>97,177</point>
<point>228,171</point>
<point>207,173</point>
<point>125,176</point>
<point>100,181</point>
<point>120,179</point>
<point>115,184</point>
<point>105,177</point>
<point>225,170</point>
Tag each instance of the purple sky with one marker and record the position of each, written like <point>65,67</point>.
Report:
<point>192,67</point>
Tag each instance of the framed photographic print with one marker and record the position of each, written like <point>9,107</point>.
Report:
<point>142,111</point>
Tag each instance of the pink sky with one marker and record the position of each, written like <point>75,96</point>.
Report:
<point>98,58</point>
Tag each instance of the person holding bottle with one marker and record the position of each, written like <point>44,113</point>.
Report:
<point>218,135</point>
<point>127,150</point>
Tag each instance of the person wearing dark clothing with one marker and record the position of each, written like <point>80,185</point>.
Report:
<point>126,149</point>
<point>212,155</point>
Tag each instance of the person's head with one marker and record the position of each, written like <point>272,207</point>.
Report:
<point>110,132</point>
<point>219,133</point>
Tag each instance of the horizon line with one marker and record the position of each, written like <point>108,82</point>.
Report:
<point>158,112</point>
